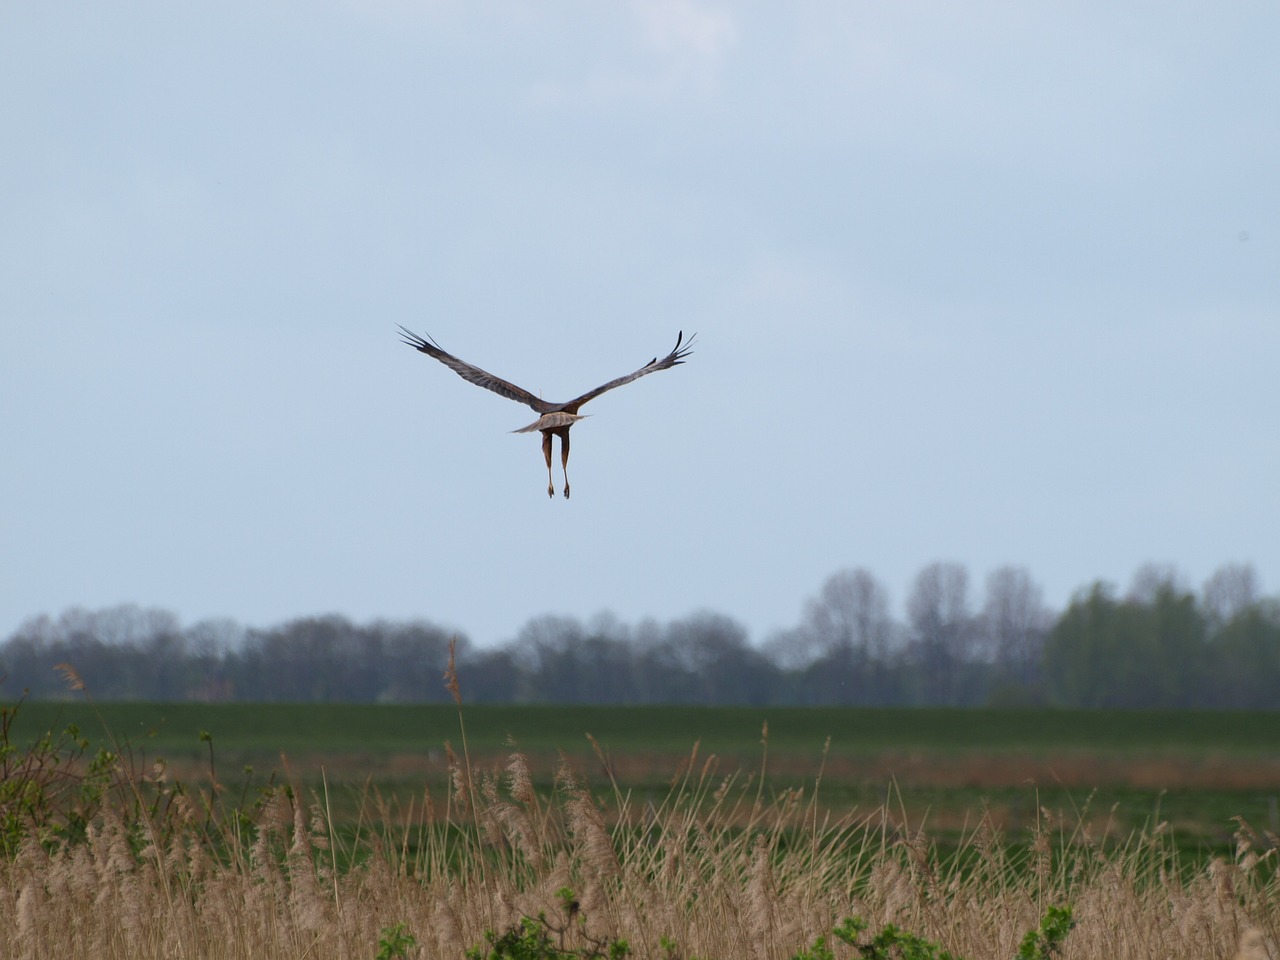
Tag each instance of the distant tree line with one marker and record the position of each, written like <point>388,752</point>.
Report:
<point>1158,645</point>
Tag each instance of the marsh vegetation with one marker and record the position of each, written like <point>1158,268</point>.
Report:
<point>109,855</point>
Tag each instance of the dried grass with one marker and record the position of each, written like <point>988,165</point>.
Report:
<point>715,866</point>
<point>684,868</point>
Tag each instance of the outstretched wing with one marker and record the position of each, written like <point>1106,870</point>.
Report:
<point>473,374</point>
<point>674,358</point>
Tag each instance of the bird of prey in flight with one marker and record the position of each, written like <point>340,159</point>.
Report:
<point>554,419</point>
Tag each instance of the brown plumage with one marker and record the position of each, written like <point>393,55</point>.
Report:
<point>555,418</point>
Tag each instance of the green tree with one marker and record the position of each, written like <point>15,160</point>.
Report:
<point>1105,652</point>
<point>1243,661</point>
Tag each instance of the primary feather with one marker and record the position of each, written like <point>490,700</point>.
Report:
<point>554,419</point>
<point>505,388</point>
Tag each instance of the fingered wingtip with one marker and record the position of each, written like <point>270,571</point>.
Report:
<point>421,343</point>
<point>678,352</point>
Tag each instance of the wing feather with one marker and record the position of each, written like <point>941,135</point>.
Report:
<point>473,374</point>
<point>672,359</point>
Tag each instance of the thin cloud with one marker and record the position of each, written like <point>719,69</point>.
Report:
<point>679,50</point>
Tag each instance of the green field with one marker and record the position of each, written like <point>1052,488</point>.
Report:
<point>174,727</point>
<point>1122,769</point>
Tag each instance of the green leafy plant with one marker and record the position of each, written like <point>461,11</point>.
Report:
<point>1045,941</point>
<point>894,943</point>
<point>528,941</point>
<point>51,786</point>
<point>890,942</point>
<point>395,943</point>
<point>532,939</point>
<point>907,945</point>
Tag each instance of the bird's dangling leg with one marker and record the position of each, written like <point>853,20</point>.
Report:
<point>546,453</point>
<point>564,461</point>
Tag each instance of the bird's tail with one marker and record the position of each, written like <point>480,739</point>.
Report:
<point>549,421</point>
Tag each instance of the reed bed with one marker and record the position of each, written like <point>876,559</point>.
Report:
<point>717,868</point>
<point>713,869</point>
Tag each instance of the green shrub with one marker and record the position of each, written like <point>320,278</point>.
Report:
<point>531,939</point>
<point>893,943</point>
<point>395,943</point>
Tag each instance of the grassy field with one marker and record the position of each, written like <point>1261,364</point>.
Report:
<point>1196,770</point>
<point>303,728</point>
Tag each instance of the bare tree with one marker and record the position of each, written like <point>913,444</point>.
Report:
<point>851,626</point>
<point>841,648</point>
<point>851,615</point>
<point>547,651</point>
<point>215,637</point>
<point>1015,623</point>
<point>792,649</point>
<point>210,644</point>
<point>942,631</point>
<point>126,624</point>
<point>713,651</point>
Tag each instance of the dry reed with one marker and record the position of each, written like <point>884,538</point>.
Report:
<point>714,867</point>
<point>710,866</point>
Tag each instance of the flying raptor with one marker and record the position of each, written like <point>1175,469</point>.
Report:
<point>554,419</point>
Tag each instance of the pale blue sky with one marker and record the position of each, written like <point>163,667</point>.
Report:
<point>988,283</point>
